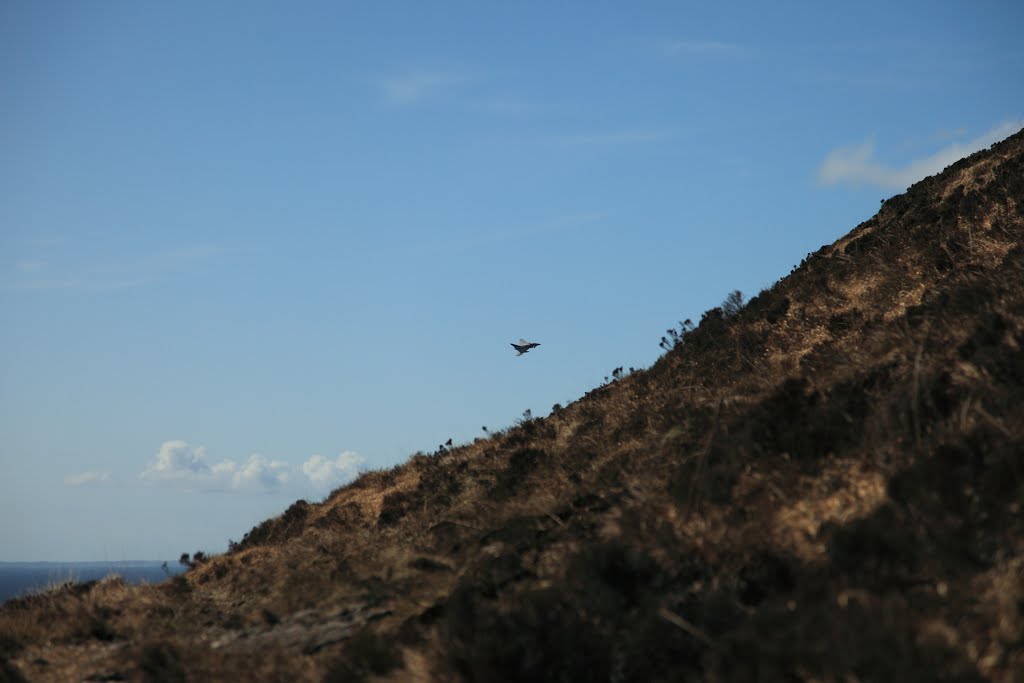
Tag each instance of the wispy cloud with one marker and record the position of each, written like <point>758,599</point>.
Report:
<point>178,257</point>
<point>704,48</point>
<point>858,165</point>
<point>31,265</point>
<point>532,230</point>
<point>88,479</point>
<point>84,283</point>
<point>421,85</point>
<point>181,465</point>
<point>615,137</point>
<point>467,88</point>
<point>46,242</point>
<point>45,274</point>
<point>505,104</point>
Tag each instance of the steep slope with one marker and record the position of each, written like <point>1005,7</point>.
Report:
<point>823,485</point>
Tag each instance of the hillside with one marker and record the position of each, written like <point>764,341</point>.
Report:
<point>824,485</point>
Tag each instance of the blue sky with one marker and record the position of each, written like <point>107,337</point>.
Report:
<point>247,249</point>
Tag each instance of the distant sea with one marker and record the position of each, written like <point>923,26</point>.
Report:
<point>23,578</point>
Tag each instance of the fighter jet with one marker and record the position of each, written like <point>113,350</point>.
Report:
<point>523,346</point>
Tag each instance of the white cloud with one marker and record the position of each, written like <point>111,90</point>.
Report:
<point>176,460</point>
<point>857,164</point>
<point>179,464</point>
<point>87,479</point>
<point>324,473</point>
<point>418,86</point>
<point>255,474</point>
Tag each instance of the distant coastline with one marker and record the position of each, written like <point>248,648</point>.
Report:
<point>23,578</point>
